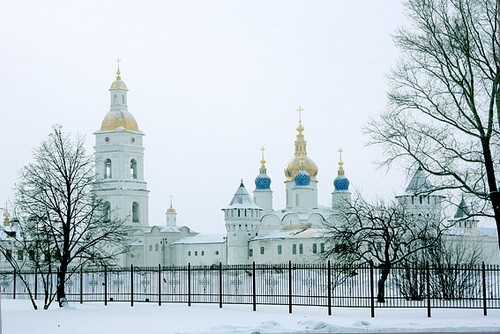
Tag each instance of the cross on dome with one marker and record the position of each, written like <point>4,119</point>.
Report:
<point>118,60</point>
<point>300,110</point>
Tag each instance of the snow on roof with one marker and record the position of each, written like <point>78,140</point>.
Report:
<point>202,239</point>
<point>322,210</point>
<point>472,231</point>
<point>280,234</point>
<point>310,233</point>
<point>242,200</point>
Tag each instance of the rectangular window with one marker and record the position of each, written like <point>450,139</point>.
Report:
<point>279,249</point>
<point>250,252</point>
<point>315,248</point>
<point>294,249</point>
<point>301,249</point>
<point>195,253</point>
<point>157,247</point>
<point>202,253</point>
<point>189,253</point>
<point>262,250</point>
<point>20,255</point>
<point>322,248</point>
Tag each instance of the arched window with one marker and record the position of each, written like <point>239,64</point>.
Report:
<point>133,169</point>
<point>107,169</point>
<point>135,212</point>
<point>123,99</point>
<point>107,212</point>
<point>114,99</point>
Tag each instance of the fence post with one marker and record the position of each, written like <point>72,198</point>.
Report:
<point>483,270</point>
<point>428,286</point>
<point>159,284</point>
<point>189,284</point>
<point>132,285</point>
<point>36,285</point>
<point>289,286</point>
<point>329,289</point>
<point>81,285</point>
<point>14,292</point>
<point>220,284</point>
<point>372,291</point>
<point>254,288</point>
<point>105,286</point>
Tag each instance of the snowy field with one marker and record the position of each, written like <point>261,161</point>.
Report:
<point>120,318</point>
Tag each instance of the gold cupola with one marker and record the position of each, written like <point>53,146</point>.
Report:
<point>300,158</point>
<point>118,115</point>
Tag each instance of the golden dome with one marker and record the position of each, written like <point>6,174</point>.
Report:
<point>171,209</point>
<point>116,118</point>
<point>293,167</point>
<point>118,84</point>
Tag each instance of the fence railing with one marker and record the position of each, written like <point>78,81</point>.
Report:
<point>325,285</point>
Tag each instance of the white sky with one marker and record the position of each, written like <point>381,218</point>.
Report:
<point>209,82</point>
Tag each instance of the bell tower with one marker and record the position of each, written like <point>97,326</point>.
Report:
<point>119,154</point>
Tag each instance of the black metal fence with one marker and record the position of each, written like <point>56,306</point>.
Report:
<point>289,284</point>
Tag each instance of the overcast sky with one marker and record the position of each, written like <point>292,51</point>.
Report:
<point>209,82</point>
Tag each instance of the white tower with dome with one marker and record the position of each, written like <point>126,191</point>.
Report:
<point>119,153</point>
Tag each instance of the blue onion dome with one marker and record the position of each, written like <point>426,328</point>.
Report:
<point>262,181</point>
<point>341,183</point>
<point>302,178</point>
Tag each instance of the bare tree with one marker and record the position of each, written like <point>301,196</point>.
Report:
<point>32,245</point>
<point>61,218</point>
<point>384,233</point>
<point>444,102</point>
<point>455,260</point>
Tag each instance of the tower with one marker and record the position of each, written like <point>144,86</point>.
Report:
<point>302,193</point>
<point>462,217</point>
<point>242,218</point>
<point>418,199</point>
<point>119,154</point>
<point>341,196</point>
<point>294,165</point>
<point>171,215</point>
<point>263,195</point>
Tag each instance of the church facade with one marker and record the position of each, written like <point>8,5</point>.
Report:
<point>255,230</point>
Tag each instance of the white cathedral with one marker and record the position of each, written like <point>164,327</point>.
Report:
<point>256,232</point>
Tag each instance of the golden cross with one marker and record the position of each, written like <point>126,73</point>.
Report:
<point>118,60</point>
<point>340,153</point>
<point>300,110</point>
<point>262,149</point>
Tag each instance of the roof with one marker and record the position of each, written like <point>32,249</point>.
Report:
<point>419,182</point>
<point>242,200</point>
<point>202,239</point>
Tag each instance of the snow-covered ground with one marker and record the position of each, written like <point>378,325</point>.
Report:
<point>120,318</point>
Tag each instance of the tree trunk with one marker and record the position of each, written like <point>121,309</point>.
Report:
<point>61,293</point>
<point>386,268</point>
<point>494,195</point>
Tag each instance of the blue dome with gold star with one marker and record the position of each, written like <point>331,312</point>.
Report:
<point>262,181</point>
<point>341,183</point>
<point>302,178</point>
